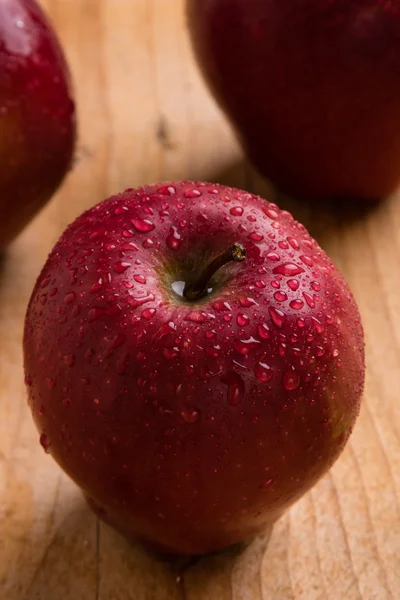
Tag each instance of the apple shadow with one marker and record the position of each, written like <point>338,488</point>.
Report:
<point>322,218</point>
<point>84,558</point>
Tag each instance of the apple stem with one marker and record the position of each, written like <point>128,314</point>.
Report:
<point>197,290</point>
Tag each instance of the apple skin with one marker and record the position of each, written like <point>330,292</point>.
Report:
<point>37,115</point>
<point>191,425</point>
<point>310,87</point>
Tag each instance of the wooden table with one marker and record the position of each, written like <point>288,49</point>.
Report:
<point>145,115</point>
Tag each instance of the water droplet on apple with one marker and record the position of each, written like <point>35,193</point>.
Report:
<point>318,325</point>
<point>236,211</point>
<point>245,346</point>
<point>294,243</point>
<point>263,331</point>
<point>50,382</point>
<point>140,279</point>
<point>192,193</point>
<point>256,237</point>
<point>266,485</point>
<point>247,302</point>
<point>293,284</point>
<point>291,380</point>
<point>190,414</point>
<point>306,260</point>
<point>316,286</point>
<point>309,299</point>
<point>142,225</point>
<point>174,240</point>
<point>277,316</point>
<point>120,210</point>
<point>69,298</point>
<point>274,257</point>
<point>335,352</point>
<point>280,296</point>
<point>236,387</point>
<point>296,304</point>
<point>166,190</point>
<point>242,320</point>
<point>288,270</point>
<point>148,313</point>
<point>45,443</point>
<point>69,360</point>
<point>263,372</point>
<point>121,266</point>
<point>197,317</point>
<point>170,353</point>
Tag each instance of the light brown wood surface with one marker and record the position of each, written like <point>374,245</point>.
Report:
<point>145,115</point>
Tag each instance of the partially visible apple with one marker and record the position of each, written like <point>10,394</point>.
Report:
<point>194,361</point>
<point>37,116</point>
<point>310,86</point>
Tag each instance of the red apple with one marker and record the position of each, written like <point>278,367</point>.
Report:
<point>37,117</point>
<point>310,86</point>
<point>193,398</point>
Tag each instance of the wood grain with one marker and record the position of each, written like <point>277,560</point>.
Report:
<point>145,115</point>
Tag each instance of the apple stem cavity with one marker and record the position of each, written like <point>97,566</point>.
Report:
<point>199,289</point>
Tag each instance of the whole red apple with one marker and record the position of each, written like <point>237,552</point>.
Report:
<point>310,86</point>
<point>37,117</point>
<point>194,361</point>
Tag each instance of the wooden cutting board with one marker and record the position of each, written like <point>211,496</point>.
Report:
<point>145,115</point>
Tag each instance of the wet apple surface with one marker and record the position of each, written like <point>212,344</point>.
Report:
<point>192,421</point>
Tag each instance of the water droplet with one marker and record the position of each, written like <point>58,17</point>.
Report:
<point>263,372</point>
<point>198,317</point>
<point>277,316</point>
<point>45,282</point>
<point>121,266</point>
<point>190,414</point>
<point>301,323</point>
<point>69,360</point>
<point>306,260</point>
<point>192,193</point>
<point>43,299</point>
<point>166,190</point>
<point>242,320</point>
<point>263,331</point>
<point>142,225</point>
<point>274,257</point>
<point>247,302</point>
<point>291,380</point>
<point>296,304</point>
<point>280,296</point>
<point>288,270</point>
<point>256,237</point>
<point>50,383</point>
<point>309,299</point>
<point>41,410</point>
<point>170,353</point>
<point>236,387</point>
<point>138,301</point>
<point>271,213</point>
<point>140,278</point>
<point>45,443</point>
<point>293,284</point>
<point>69,298</point>
<point>284,245</point>
<point>245,346</point>
<point>236,211</point>
<point>174,239</point>
<point>266,485</point>
<point>98,233</point>
<point>148,313</point>
<point>318,325</point>
<point>120,210</point>
<point>166,329</point>
<point>129,247</point>
<point>335,352</point>
<point>294,243</point>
